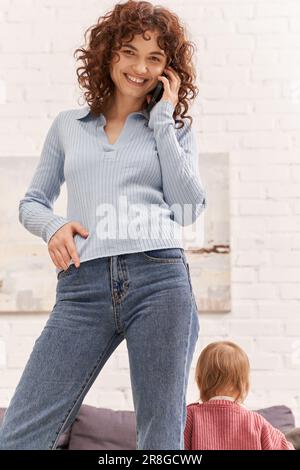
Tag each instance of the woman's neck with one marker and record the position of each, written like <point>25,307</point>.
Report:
<point>118,110</point>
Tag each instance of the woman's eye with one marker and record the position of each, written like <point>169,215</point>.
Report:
<point>152,57</point>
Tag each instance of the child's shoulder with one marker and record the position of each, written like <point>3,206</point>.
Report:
<point>258,417</point>
<point>258,421</point>
<point>190,405</point>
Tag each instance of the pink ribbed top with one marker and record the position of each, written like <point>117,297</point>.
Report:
<point>225,425</point>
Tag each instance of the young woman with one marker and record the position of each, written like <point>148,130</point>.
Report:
<point>221,421</point>
<point>117,279</point>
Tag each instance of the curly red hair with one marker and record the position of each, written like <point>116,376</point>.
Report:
<point>125,21</point>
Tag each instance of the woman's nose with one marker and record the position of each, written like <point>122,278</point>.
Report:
<point>141,70</point>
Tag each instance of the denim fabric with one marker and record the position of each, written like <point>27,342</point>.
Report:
<point>145,298</point>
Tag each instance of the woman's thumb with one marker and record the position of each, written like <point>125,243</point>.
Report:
<point>81,230</point>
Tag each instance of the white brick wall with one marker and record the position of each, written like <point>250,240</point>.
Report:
<point>249,104</point>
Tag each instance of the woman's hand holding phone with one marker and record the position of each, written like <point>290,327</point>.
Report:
<point>171,86</point>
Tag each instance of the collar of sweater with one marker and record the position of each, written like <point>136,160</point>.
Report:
<point>224,398</point>
<point>221,397</point>
<point>86,110</point>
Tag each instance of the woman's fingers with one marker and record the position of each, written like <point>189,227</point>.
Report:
<point>62,247</point>
<point>54,259</point>
<point>63,257</point>
<point>71,247</point>
<point>174,78</point>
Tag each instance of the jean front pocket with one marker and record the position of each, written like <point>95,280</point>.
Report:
<point>71,269</point>
<point>164,255</point>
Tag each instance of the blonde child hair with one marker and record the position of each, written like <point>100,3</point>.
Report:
<point>223,368</point>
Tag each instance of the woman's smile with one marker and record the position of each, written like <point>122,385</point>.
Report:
<point>130,79</point>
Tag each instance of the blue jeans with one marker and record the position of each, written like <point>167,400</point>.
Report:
<point>144,297</point>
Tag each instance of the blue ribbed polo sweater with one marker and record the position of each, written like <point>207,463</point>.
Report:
<point>128,195</point>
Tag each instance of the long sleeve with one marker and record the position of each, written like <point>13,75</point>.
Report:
<point>178,155</point>
<point>36,208</point>
<point>188,429</point>
<point>274,439</point>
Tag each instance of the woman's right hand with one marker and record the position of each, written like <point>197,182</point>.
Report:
<point>61,245</point>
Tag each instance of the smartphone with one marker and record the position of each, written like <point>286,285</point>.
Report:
<point>156,93</point>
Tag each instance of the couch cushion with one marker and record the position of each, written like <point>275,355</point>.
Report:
<point>281,417</point>
<point>294,437</point>
<point>64,438</point>
<point>103,429</point>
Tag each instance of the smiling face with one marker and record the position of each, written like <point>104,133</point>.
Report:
<point>140,59</point>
